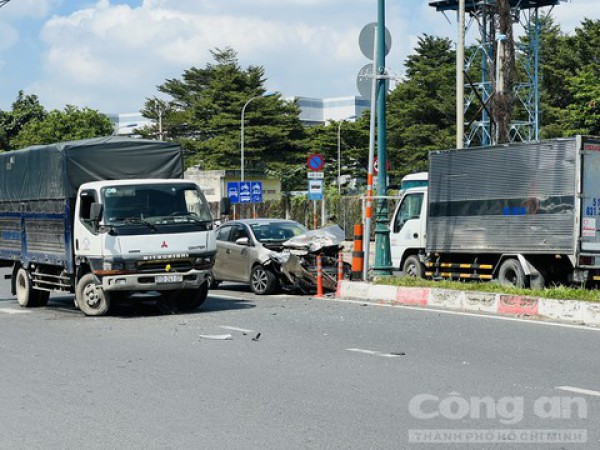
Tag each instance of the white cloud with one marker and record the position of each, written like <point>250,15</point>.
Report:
<point>111,56</point>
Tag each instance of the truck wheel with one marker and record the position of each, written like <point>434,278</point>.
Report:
<point>27,296</point>
<point>511,274</point>
<point>190,299</point>
<point>91,299</point>
<point>263,281</point>
<point>413,267</point>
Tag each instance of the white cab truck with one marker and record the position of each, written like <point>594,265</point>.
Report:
<point>104,218</point>
<point>524,214</point>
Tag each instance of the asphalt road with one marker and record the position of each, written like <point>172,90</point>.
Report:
<point>322,374</point>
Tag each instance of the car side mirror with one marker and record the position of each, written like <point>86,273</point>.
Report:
<point>225,206</point>
<point>242,241</point>
<point>96,210</point>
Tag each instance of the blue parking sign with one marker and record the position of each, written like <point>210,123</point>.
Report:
<point>233,192</point>
<point>245,192</point>
<point>257,191</point>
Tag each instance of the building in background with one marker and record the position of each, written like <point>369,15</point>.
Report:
<point>313,111</point>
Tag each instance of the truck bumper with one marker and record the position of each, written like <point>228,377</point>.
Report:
<point>165,281</point>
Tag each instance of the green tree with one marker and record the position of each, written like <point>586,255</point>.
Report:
<point>25,109</point>
<point>71,124</point>
<point>421,109</point>
<point>205,117</point>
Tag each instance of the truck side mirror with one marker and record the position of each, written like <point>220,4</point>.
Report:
<point>96,210</point>
<point>225,206</point>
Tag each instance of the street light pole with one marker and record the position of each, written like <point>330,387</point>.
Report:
<point>339,152</point>
<point>242,132</point>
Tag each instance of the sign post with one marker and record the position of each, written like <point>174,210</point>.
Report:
<point>315,164</point>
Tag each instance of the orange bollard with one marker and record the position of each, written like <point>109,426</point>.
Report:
<point>319,277</point>
<point>358,254</point>
<point>340,274</point>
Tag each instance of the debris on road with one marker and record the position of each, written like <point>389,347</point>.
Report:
<point>217,337</point>
<point>257,337</point>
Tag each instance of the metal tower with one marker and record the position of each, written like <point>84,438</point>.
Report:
<point>479,92</point>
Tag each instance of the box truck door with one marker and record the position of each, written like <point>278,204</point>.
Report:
<point>590,208</point>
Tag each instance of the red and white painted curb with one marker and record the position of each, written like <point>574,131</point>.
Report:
<point>572,311</point>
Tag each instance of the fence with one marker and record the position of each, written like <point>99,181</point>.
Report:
<point>347,211</point>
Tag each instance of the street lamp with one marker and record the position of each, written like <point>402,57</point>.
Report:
<point>269,94</point>
<point>339,157</point>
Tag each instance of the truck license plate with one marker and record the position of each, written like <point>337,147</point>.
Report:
<point>169,278</point>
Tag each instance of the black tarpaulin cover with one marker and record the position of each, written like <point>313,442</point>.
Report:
<point>56,171</point>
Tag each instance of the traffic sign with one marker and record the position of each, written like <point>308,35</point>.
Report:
<point>315,175</point>
<point>245,192</point>
<point>388,166</point>
<point>233,191</point>
<point>315,162</point>
<point>315,189</point>
<point>257,192</point>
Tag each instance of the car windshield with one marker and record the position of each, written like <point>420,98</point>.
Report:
<point>155,204</point>
<point>276,231</point>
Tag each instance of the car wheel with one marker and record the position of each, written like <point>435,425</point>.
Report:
<point>212,282</point>
<point>413,267</point>
<point>91,299</point>
<point>263,281</point>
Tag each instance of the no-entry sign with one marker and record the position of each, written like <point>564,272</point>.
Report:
<point>315,162</point>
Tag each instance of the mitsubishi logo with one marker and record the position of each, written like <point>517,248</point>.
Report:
<point>164,244</point>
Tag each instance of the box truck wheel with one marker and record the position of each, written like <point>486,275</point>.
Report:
<point>91,299</point>
<point>413,267</point>
<point>511,273</point>
<point>27,296</point>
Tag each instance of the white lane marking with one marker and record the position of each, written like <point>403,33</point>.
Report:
<point>578,390</point>
<point>461,313</point>
<point>241,330</point>
<point>372,352</point>
<point>13,311</point>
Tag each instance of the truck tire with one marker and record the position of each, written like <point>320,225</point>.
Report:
<point>413,267</point>
<point>190,299</point>
<point>511,274</point>
<point>27,296</point>
<point>91,299</point>
<point>263,281</point>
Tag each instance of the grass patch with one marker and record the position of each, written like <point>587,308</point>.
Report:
<point>558,292</point>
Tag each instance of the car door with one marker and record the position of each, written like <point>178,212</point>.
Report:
<point>234,257</point>
<point>222,237</point>
<point>408,228</point>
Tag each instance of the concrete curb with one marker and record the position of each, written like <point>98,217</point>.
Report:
<point>570,311</point>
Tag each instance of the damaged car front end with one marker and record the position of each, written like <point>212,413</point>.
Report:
<point>295,262</point>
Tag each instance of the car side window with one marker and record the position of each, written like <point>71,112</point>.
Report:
<point>239,231</point>
<point>409,209</point>
<point>223,233</point>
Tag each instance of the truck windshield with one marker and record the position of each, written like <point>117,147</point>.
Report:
<point>154,204</point>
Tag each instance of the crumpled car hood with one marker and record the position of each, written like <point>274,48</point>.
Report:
<point>296,261</point>
<point>314,240</point>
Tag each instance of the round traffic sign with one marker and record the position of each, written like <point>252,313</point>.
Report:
<point>315,162</point>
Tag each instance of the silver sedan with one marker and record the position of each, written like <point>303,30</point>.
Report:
<point>245,249</point>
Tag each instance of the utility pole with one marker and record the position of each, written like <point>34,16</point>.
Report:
<point>504,96</point>
<point>383,257</point>
<point>460,77</point>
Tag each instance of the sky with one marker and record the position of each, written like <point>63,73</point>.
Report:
<point>110,55</point>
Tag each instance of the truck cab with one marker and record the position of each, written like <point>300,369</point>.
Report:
<point>407,228</point>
